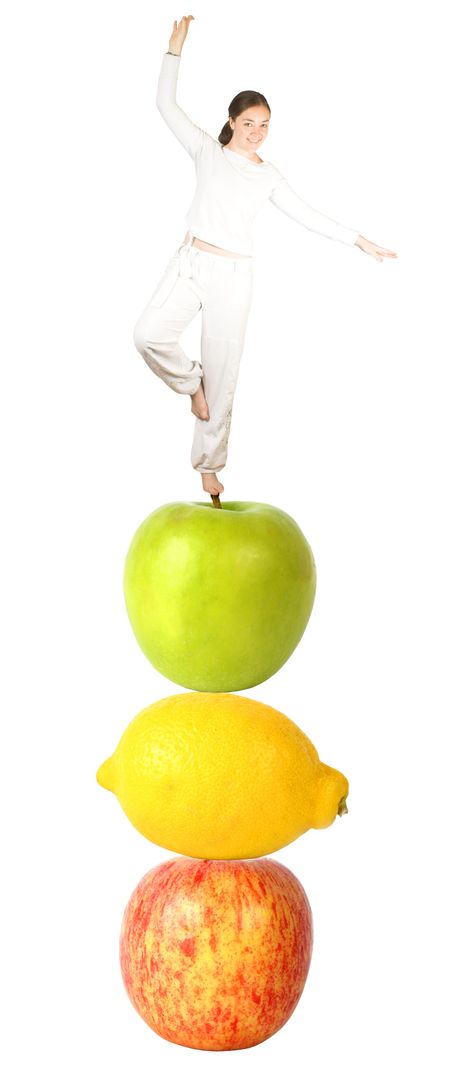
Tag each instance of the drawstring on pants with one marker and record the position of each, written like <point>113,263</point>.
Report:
<point>185,252</point>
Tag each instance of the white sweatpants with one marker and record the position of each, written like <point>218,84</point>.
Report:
<point>221,287</point>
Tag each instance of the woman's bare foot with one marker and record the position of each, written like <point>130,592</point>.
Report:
<point>211,484</point>
<point>199,404</point>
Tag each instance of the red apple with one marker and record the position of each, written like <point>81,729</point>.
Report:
<point>215,954</point>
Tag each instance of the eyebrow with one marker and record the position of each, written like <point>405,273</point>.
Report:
<point>254,121</point>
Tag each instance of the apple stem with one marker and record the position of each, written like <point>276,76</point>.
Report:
<point>216,502</point>
<point>342,808</point>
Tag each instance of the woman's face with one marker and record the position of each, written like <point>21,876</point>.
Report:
<point>250,128</point>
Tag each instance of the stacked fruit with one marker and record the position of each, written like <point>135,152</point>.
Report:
<point>216,945</point>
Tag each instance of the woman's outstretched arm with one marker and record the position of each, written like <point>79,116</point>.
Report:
<point>287,200</point>
<point>291,204</point>
<point>188,134</point>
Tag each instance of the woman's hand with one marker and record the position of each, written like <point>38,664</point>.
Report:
<point>179,34</point>
<point>378,253</point>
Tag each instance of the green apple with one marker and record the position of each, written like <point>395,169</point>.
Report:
<point>219,598</point>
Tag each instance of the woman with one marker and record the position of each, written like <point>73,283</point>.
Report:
<point>212,269</point>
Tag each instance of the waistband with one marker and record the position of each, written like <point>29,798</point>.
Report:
<point>187,253</point>
<point>188,246</point>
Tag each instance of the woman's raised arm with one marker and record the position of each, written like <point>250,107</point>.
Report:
<point>188,134</point>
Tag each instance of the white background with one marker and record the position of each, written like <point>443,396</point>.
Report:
<point>340,418</point>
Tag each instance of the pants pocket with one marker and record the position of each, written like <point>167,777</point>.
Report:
<point>167,283</point>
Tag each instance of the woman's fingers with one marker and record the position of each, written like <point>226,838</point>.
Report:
<point>183,23</point>
<point>375,250</point>
<point>180,30</point>
<point>379,253</point>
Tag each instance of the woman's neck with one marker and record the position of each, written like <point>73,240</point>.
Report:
<point>242,153</point>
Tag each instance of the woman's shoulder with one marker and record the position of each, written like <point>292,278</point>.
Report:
<point>273,170</point>
<point>275,176</point>
<point>209,145</point>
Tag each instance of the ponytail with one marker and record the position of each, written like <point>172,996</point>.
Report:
<point>226,134</point>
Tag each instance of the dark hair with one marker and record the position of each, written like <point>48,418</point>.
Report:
<point>245,100</point>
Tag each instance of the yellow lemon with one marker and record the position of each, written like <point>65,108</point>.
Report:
<point>220,776</point>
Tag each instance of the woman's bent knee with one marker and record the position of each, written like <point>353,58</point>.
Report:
<point>148,347</point>
<point>140,338</point>
<point>150,337</point>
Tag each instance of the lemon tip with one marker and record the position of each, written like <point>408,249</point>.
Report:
<point>104,775</point>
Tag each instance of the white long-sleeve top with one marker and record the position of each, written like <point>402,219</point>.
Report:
<point>231,188</point>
